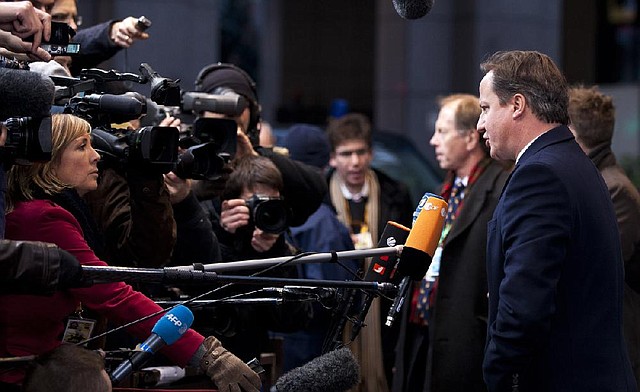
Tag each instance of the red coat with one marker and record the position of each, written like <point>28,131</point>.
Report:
<point>34,324</point>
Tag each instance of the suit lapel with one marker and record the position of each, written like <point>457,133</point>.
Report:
<point>474,201</point>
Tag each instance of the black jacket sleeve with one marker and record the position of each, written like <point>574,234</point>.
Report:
<point>196,241</point>
<point>95,47</point>
<point>36,268</point>
<point>304,186</point>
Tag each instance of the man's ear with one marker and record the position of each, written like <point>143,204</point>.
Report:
<point>332,160</point>
<point>519,103</point>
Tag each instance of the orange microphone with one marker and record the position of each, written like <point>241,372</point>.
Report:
<point>419,248</point>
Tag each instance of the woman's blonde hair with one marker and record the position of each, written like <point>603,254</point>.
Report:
<point>22,181</point>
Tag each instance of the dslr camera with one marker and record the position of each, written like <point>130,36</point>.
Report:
<point>269,214</point>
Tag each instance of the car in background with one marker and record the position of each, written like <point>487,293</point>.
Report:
<point>396,156</point>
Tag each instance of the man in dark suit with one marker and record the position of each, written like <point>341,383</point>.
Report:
<point>451,347</point>
<point>554,263</point>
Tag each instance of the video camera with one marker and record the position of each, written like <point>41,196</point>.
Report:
<point>207,148</point>
<point>269,214</point>
<point>209,144</point>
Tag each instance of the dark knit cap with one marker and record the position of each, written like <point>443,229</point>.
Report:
<point>230,78</point>
<point>308,144</point>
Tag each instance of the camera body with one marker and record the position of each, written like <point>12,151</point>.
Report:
<point>148,149</point>
<point>28,140</point>
<point>269,214</point>
<point>208,145</point>
<point>58,44</point>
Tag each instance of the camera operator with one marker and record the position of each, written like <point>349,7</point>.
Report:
<point>304,188</point>
<point>29,267</point>
<point>20,20</point>
<point>133,208</point>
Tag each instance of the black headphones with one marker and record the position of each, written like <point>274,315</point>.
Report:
<point>254,107</point>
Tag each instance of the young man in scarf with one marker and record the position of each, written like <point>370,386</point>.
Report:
<point>365,199</point>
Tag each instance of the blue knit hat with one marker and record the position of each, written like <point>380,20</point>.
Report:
<point>308,144</point>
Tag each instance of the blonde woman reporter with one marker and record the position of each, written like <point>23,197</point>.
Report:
<point>44,204</point>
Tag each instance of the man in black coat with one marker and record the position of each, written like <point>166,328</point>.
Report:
<point>443,351</point>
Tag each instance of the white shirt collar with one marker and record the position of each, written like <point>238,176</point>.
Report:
<point>527,146</point>
<point>364,192</point>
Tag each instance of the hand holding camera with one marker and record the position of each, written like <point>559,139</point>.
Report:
<point>235,214</point>
<point>22,23</point>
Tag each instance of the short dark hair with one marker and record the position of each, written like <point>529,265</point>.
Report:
<point>592,115</point>
<point>352,126</point>
<point>68,368</point>
<point>533,75</point>
<point>250,171</point>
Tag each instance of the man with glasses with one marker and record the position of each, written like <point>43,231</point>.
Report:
<point>365,199</point>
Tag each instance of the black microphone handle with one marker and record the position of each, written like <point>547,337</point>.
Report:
<point>396,307</point>
<point>357,326</point>
<point>137,360</point>
<point>125,105</point>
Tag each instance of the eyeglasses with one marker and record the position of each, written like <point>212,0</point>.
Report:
<point>66,18</point>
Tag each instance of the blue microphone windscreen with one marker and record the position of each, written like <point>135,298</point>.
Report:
<point>173,324</point>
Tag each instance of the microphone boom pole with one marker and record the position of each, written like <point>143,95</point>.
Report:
<point>105,274</point>
<point>325,257</point>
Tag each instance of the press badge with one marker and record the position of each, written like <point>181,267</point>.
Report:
<point>363,240</point>
<point>78,330</point>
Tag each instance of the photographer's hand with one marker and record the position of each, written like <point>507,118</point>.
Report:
<point>261,241</point>
<point>124,32</point>
<point>23,20</point>
<point>14,45</point>
<point>243,145</point>
<point>235,214</point>
<point>178,188</point>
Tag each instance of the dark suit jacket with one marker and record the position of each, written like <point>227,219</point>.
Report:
<point>555,277</point>
<point>458,325</point>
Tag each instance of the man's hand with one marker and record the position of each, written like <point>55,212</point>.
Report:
<point>235,214</point>
<point>243,145</point>
<point>261,241</point>
<point>14,45</point>
<point>178,188</point>
<point>123,33</point>
<point>23,20</point>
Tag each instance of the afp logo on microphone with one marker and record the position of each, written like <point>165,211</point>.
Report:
<point>176,321</point>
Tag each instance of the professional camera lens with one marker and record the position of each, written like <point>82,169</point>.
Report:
<point>28,140</point>
<point>269,214</point>
<point>201,162</point>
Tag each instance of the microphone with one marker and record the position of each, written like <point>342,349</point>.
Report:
<point>334,371</point>
<point>420,246</point>
<point>229,104</point>
<point>25,94</point>
<point>382,268</point>
<point>125,106</point>
<point>166,332</point>
<point>412,9</point>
